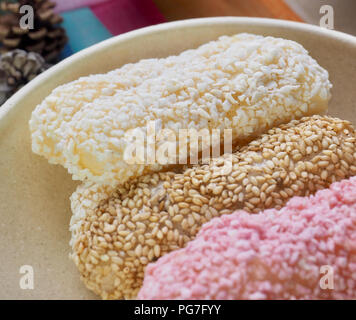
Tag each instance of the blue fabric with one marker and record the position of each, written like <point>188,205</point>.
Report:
<point>83,30</point>
<point>66,52</point>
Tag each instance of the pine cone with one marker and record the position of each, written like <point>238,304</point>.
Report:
<point>47,38</point>
<point>17,68</point>
<point>5,89</point>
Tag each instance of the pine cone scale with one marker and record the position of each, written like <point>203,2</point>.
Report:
<point>12,42</point>
<point>18,30</point>
<point>37,47</point>
<point>37,35</point>
<point>18,67</point>
<point>4,31</point>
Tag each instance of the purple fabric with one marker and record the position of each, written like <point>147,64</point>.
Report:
<point>120,16</point>
<point>66,5</point>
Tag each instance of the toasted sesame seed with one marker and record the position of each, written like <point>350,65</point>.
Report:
<point>144,233</point>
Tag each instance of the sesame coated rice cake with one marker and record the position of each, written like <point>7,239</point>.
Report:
<point>306,250</point>
<point>117,231</point>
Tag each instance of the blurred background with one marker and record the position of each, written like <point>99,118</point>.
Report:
<point>89,21</point>
<point>63,27</point>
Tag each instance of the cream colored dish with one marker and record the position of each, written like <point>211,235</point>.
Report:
<point>34,195</point>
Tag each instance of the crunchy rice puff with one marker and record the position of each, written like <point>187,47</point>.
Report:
<point>245,82</point>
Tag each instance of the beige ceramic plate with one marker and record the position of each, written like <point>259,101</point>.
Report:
<point>34,204</point>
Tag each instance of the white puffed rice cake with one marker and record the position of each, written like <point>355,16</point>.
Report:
<point>245,82</point>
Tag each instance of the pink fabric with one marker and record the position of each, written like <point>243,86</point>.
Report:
<point>66,5</point>
<point>120,16</point>
<point>283,254</point>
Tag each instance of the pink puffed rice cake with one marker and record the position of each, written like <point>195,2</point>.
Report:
<point>277,254</point>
